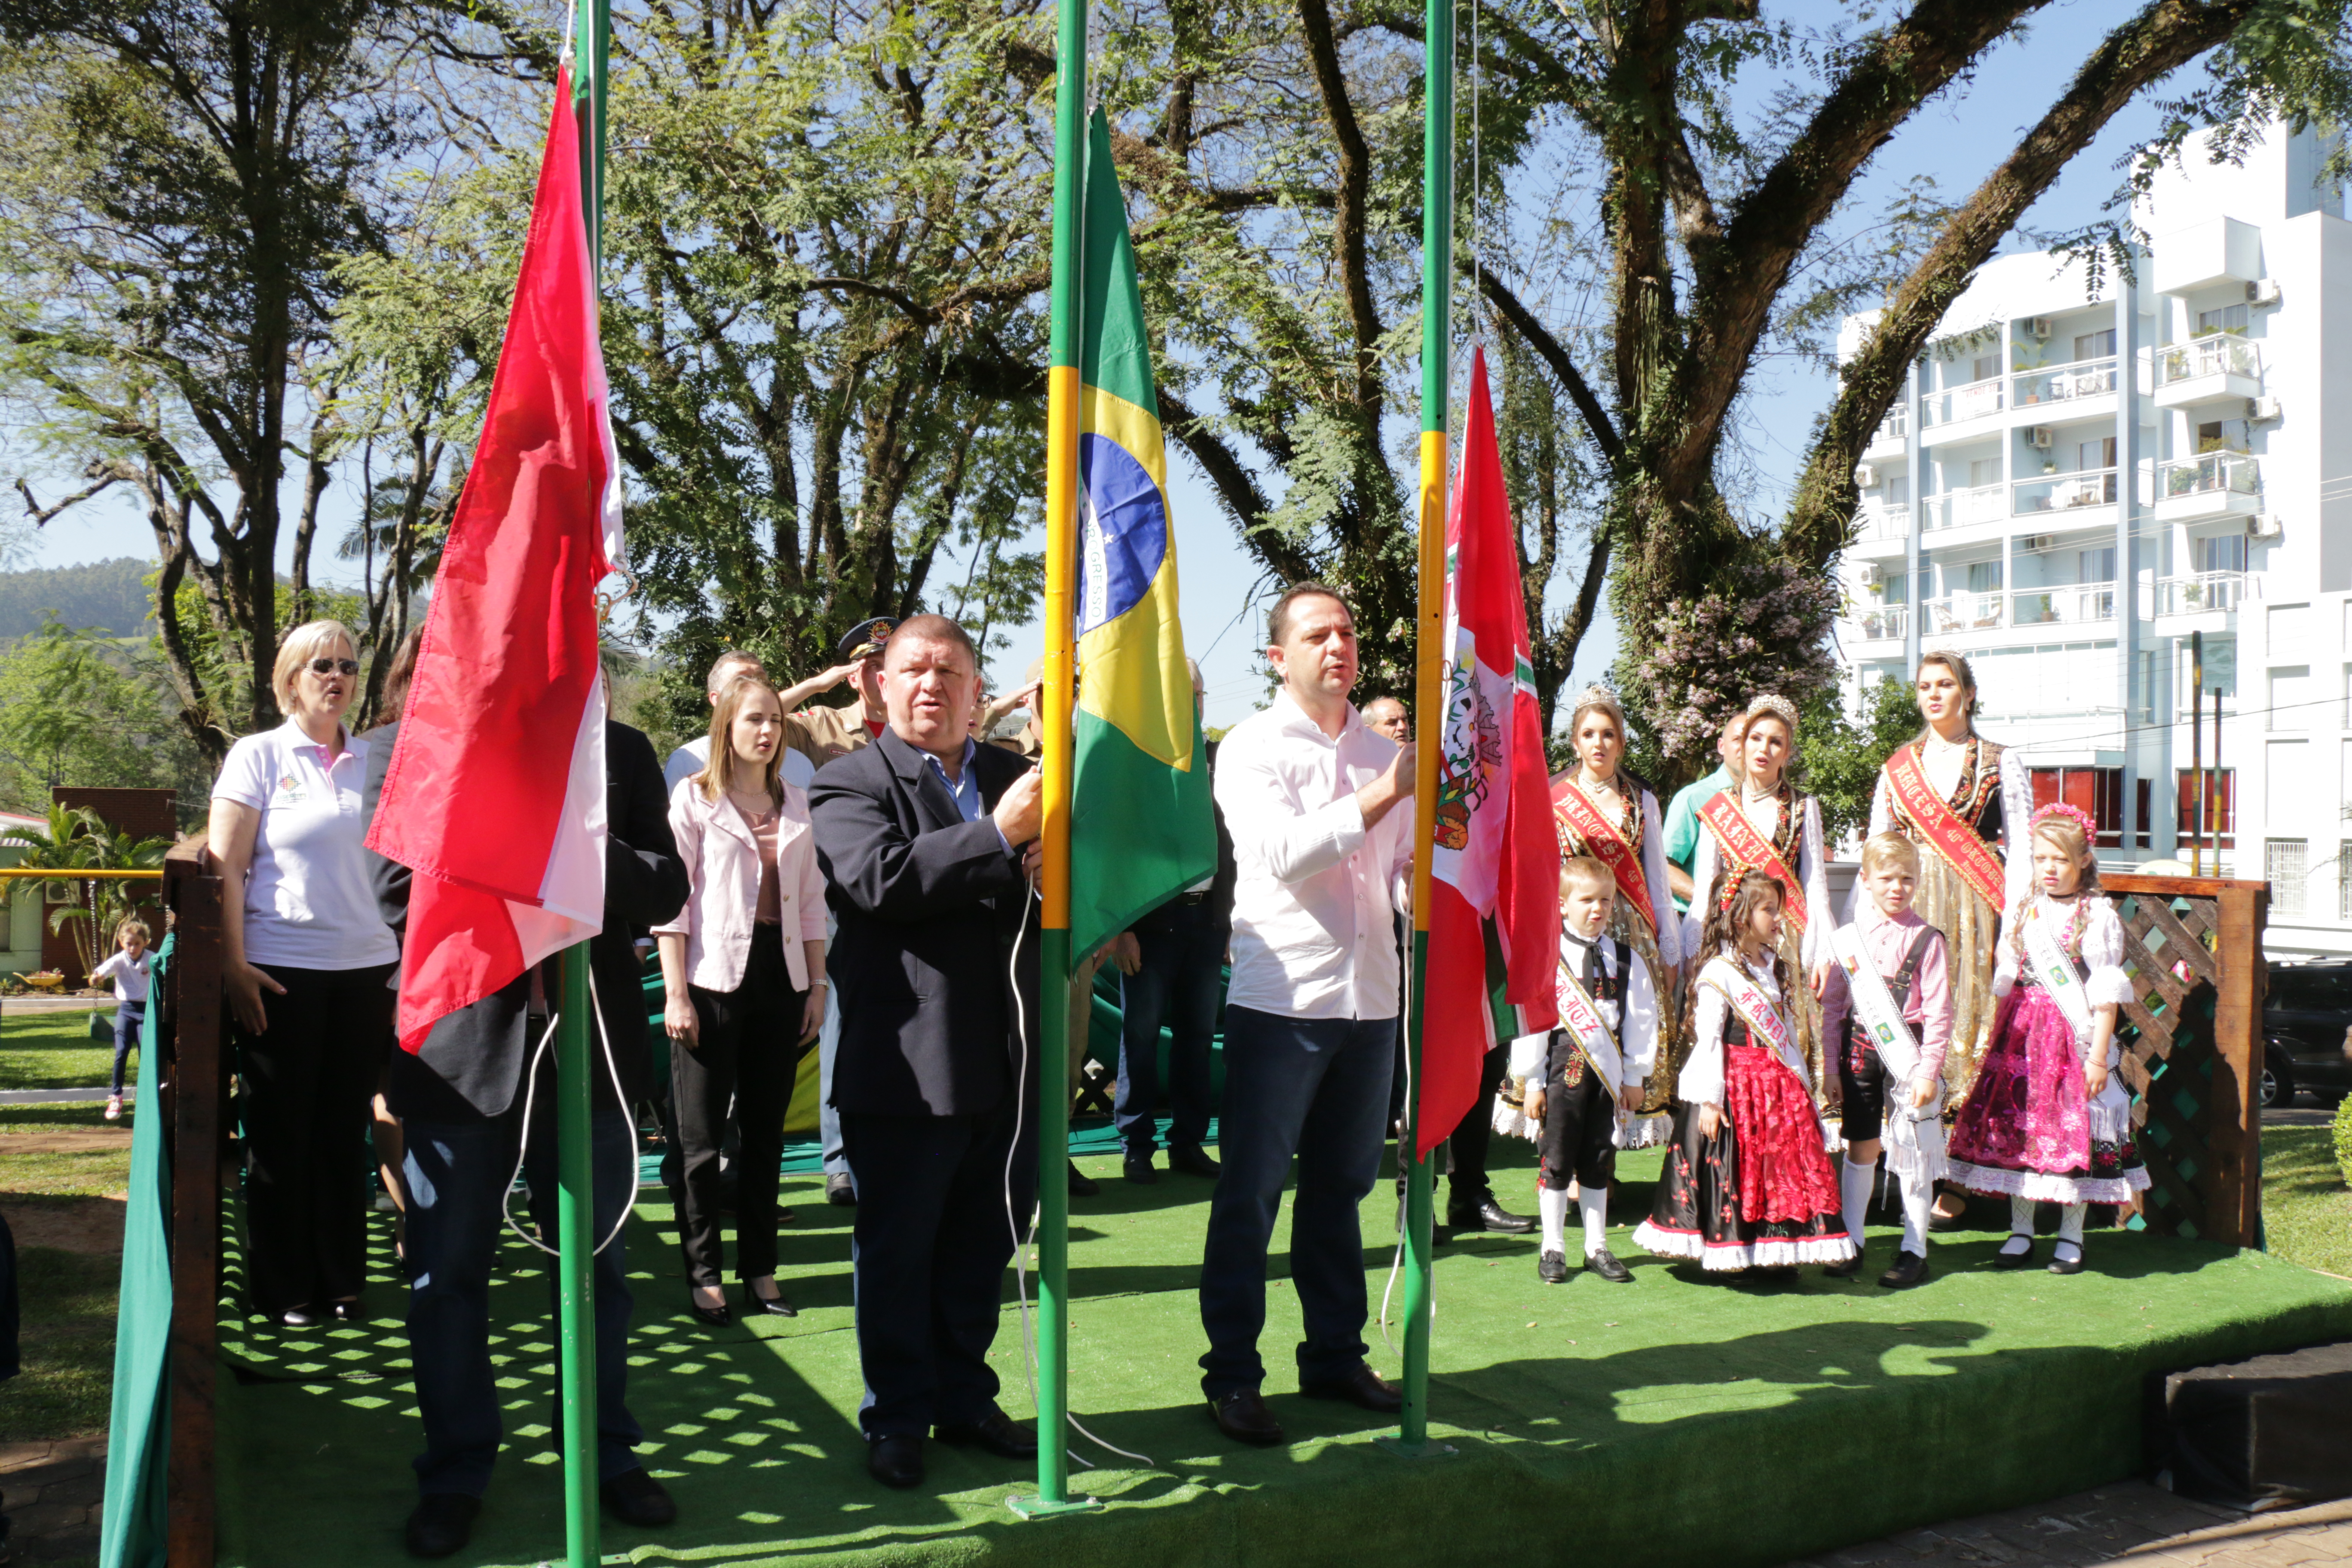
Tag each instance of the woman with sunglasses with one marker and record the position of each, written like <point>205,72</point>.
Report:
<point>305,960</point>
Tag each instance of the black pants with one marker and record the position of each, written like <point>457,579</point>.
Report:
<point>748,1053</point>
<point>1466,1187</point>
<point>928,1257</point>
<point>1579,1122</point>
<point>309,1078</point>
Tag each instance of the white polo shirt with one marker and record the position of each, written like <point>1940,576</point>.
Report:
<point>1314,901</point>
<point>309,901</point>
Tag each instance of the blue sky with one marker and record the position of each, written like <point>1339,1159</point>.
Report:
<point>1957,141</point>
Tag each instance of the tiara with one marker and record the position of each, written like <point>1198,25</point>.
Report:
<point>2074,813</point>
<point>1777,705</point>
<point>1596,695</point>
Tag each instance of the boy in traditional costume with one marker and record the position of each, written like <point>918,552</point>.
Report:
<point>1887,1017</point>
<point>2048,1118</point>
<point>1583,1089</point>
<point>1747,1183</point>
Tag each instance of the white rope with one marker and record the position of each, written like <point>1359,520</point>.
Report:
<point>522,1152</point>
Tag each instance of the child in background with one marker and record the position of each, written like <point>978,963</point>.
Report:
<point>128,968</point>
<point>1591,1072</point>
<point>1747,1183</point>
<point>2047,1119</point>
<point>1886,1021</point>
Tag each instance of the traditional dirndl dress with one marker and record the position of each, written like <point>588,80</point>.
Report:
<point>1760,1193</point>
<point>2028,1129</point>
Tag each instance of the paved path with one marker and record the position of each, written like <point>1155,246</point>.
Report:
<point>52,1492</point>
<point>2130,1522</point>
<point>60,1096</point>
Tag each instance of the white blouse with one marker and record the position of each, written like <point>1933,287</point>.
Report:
<point>1702,1076</point>
<point>1812,872</point>
<point>2106,985</point>
<point>1654,868</point>
<point>1943,763</point>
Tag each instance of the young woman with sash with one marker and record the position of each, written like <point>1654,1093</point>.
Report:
<point>2049,1119</point>
<point>1599,811</point>
<point>1763,823</point>
<point>1747,1183</point>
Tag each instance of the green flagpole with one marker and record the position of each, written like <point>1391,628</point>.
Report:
<point>574,1064</point>
<point>1053,979</point>
<point>1412,1440</point>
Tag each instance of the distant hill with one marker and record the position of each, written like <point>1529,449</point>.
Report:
<point>107,595</point>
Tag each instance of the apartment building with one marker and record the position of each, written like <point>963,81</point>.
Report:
<point>2090,481</point>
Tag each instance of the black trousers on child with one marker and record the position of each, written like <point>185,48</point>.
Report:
<point>748,1054</point>
<point>1579,1141</point>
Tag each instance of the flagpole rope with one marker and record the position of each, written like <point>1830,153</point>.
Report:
<point>522,1151</point>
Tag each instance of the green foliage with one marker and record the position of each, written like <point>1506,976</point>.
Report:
<point>2340,1131</point>
<point>1842,758</point>
<point>114,597</point>
<point>78,709</point>
<point>77,839</point>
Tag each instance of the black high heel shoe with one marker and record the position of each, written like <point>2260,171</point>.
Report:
<point>718,1317</point>
<point>757,1306</point>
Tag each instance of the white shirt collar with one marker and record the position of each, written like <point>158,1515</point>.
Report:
<point>1296,720</point>
<point>328,757</point>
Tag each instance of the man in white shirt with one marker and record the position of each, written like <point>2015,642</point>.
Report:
<point>694,755</point>
<point>1310,795</point>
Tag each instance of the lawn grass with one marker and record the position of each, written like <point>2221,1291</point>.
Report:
<point>2306,1208</point>
<point>68,1347</point>
<point>55,1051</point>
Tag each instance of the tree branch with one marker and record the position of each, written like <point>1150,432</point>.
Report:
<point>1554,357</point>
<point>1354,188</point>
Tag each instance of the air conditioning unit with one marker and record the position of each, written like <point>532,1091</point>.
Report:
<point>2040,438</point>
<point>2037,326</point>
<point>1872,576</point>
<point>2034,544</point>
<point>1865,476</point>
<point>2265,527</point>
<point>2262,291</point>
<point>2262,409</point>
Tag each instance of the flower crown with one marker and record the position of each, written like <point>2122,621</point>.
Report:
<point>1779,707</point>
<point>2074,813</point>
<point>1733,877</point>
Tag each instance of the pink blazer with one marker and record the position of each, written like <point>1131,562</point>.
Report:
<point>722,867</point>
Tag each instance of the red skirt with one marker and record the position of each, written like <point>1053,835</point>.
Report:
<point>1760,1193</point>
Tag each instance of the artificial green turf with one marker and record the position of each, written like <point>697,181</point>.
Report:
<point>1673,1420</point>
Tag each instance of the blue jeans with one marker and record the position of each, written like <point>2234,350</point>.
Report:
<point>1317,1087</point>
<point>128,1017</point>
<point>456,1175</point>
<point>1184,964</point>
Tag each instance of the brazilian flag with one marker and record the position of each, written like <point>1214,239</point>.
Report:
<point>1141,829</point>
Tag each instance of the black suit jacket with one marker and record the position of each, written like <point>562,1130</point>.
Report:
<point>929,907</point>
<point>471,1064</point>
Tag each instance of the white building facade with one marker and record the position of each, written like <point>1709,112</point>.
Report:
<point>2084,486</point>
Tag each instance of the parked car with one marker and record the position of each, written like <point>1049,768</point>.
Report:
<point>2307,1023</point>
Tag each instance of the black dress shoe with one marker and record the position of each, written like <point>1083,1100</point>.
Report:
<point>1604,1263</point>
<point>1137,1168</point>
<point>717,1317</point>
<point>635,1497</point>
<point>896,1461</point>
<point>304,1317</point>
<point>2062,1264</point>
<point>2014,1259</point>
<point>1361,1386</point>
<point>757,1306</point>
<point>442,1524</point>
<point>840,1191</point>
<point>351,1311</point>
<point>1910,1268</point>
<point>1243,1416</point>
<point>1194,1161</point>
<point>1083,1185</point>
<point>1490,1216</point>
<point>994,1432</point>
<point>1552,1268</point>
<point>1845,1269</point>
<point>1777,1274</point>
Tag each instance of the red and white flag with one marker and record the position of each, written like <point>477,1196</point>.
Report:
<point>1495,855</point>
<point>495,795</point>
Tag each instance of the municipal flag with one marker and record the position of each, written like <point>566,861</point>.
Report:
<point>1141,829</point>
<point>1494,855</point>
<point>495,795</point>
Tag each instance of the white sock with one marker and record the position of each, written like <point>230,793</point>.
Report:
<point>1918,1200</point>
<point>2070,1222</point>
<point>1853,1186</point>
<point>2020,1227</point>
<point>1553,1207</point>
<point>1592,1203</point>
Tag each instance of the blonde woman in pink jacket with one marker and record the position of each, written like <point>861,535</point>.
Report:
<point>743,983</point>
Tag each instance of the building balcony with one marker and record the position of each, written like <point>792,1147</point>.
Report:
<point>2206,592</point>
<point>1882,623</point>
<point>2065,384</point>
<point>1892,436</point>
<point>2062,492</point>
<point>2220,367</point>
<point>2218,484</point>
<point>1960,509</point>
<point>2069,604</point>
<point>1880,529</point>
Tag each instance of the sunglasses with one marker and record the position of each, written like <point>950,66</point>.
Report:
<point>345,667</point>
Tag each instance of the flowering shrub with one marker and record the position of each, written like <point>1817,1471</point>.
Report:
<point>1764,629</point>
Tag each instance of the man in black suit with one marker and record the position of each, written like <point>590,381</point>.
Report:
<point>929,843</point>
<point>460,1100</point>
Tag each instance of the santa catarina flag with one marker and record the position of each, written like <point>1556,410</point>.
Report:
<point>495,794</point>
<point>1141,829</point>
<point>1495,855</point>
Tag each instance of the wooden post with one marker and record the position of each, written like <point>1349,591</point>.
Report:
<point>198,1082</point>
<point>2233,1125</point>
